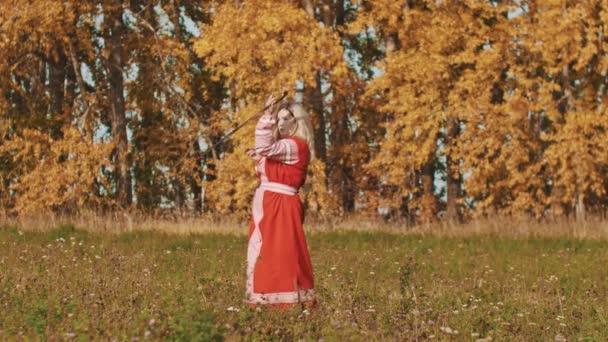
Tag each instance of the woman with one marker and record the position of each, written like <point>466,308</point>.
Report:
<point>279,271</point>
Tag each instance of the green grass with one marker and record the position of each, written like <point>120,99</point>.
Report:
<point>72,284</point>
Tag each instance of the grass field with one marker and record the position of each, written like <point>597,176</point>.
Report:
<point>72,284</point>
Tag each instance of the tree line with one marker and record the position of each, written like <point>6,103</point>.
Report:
<point>422,109</point>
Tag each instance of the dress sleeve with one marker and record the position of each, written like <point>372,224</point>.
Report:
<point>283,150</point>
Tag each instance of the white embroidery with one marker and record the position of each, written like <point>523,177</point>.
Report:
<point>255,241</point>
<point>282,297</point>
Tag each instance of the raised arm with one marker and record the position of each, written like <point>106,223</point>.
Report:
<point>283,150</point>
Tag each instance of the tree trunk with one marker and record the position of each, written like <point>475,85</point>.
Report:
<point>340,164</point>
<point>57,92</point>
<point>175,18</point>
<point>56,84</point>
<point>453,189</point>
<point>315,96</point>
<point>327,15</point>
<point>309,7</point>
<point>453,180</point>
<point>117,103</point>
<point>578,200</point>
<point>392,42</point>
<point>428,205</point>
<point>340,13</point>
<point>196,188</point>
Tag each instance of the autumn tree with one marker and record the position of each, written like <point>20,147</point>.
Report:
<point>40,99</point>
<point>422,109</point>
<point>284,49</point>
<point>104,67</point>
<point>432,52</point>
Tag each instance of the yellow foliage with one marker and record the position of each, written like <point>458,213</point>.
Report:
<point>262,47</point>
<point>315,194</point>
<point>500,107</point>
<point>61,174</point>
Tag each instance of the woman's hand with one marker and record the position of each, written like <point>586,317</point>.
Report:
<point>270,105</point>
<point>252,154</point>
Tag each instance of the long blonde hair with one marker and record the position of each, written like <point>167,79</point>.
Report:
<point>304,128</point>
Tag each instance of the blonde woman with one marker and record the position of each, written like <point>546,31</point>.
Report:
<point>279,271</point>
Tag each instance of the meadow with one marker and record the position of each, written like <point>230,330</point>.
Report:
<point>68,282</point>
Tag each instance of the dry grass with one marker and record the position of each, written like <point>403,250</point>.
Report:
<point>121,222</point>
<point>66,283</point>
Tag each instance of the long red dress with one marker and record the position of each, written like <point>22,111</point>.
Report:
<point>279,271</point>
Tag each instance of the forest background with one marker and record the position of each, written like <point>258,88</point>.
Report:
<point>423,110</point>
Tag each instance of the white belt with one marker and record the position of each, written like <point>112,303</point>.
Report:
<point>278,187</point>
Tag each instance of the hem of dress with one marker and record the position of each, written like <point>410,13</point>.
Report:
<point>294,297</point>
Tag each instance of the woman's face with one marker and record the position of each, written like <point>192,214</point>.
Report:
<point>286,123</point>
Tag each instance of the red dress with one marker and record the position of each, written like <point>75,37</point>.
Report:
<point>279,270</point>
